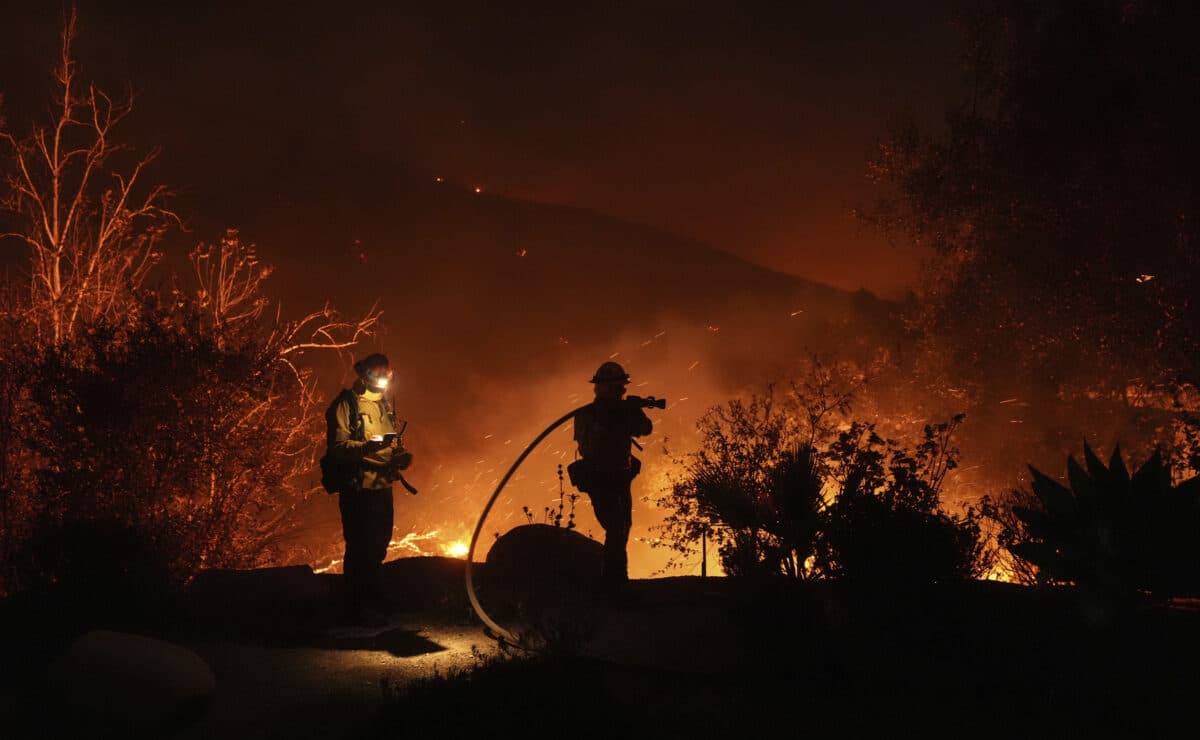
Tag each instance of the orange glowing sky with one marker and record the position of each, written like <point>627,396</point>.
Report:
<point>745,129</point>
<point>745,126</point>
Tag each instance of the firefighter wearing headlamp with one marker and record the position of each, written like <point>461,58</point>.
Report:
<point>362,439</point>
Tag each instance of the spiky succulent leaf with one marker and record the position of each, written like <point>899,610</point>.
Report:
<point>1034,519</point>
<point>1086,492</point>
<point>1153,477</point>
<point>1049,560</point>
<point>1117,469</point>
<point>1039,525</point>
<point>1096,469</point>
<point>1115,532</point>
<point>1055,497</point>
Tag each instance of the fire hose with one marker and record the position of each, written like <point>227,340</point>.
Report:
<point>499,632</point>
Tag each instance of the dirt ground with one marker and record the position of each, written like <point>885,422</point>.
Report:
<point>326,691</point>
<point>671,655</point>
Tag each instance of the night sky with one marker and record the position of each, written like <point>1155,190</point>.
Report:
<point>746,126</point>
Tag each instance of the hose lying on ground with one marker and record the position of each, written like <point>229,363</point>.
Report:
<point>499,632</point>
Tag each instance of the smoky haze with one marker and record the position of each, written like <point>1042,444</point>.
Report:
<point>322,134</point>
<point>497,312</point>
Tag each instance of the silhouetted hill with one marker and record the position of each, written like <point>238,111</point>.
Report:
<point>510,288</point>
<point>497,312</point>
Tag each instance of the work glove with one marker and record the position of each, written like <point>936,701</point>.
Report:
<point>402,460</point>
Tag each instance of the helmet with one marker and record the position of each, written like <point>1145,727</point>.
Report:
<point>375,371</point>
<point>610,372</point>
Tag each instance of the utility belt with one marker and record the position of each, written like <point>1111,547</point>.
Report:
<point>338,478</point>
<point>588,476</point>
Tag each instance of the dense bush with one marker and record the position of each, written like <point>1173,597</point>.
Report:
<point>780,490</point>
<point>886,523</point>
<point>149,424</point>
<point>163,429</point>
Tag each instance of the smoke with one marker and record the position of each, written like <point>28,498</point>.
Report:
<point>466,442</point>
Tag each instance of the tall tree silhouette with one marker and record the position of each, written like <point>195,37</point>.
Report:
<point>1060,200</point>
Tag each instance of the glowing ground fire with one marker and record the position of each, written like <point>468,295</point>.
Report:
<point>412,544</point>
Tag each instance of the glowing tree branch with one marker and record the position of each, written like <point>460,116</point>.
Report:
<point>92,226</point>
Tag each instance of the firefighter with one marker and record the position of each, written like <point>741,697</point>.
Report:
<point>604,431</point>
<point>365,450</point>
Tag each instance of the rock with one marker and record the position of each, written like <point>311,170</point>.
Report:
<point>545,556</point>
<point>422,582</point>
<point>252,590</point>
<point>266,601</point>
<point>117,683</point>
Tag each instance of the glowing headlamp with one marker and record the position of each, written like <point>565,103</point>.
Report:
<point>378,378</point>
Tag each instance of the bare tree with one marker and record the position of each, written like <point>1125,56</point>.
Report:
<point>91,222</point>
<point>190,429</point>
<point>229,292</point>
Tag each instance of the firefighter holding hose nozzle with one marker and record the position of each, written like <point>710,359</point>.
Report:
<point>604,431</point>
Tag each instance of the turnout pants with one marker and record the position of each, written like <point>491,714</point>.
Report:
<point>367,528</point>
<point>612,501</point>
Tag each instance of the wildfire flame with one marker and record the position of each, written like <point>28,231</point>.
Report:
<point>412,544</point>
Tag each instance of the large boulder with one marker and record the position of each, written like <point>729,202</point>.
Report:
<point>117,684</point>
<point>423,582</point>
<point>541,556</point>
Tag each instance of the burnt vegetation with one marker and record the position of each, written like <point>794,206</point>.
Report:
<point>150,424</point>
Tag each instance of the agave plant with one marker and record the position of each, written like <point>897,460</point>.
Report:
<point>1113,531</point>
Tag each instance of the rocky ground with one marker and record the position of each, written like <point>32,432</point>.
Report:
<point>672,657</point>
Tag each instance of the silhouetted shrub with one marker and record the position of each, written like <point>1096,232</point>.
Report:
<point>147,454</point>
<point>508,697</point>
<point>869,539</point>
<point>140,412</point>
<point>104,566</point>
<point>780,491</point>
<point>1112,531</point>
<point>753,489</point>
<point>886,522</point>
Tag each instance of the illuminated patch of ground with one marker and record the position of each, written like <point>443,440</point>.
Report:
<point>293,692</point>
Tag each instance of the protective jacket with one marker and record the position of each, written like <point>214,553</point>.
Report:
<point>348,445</point>
<point>605,432</point>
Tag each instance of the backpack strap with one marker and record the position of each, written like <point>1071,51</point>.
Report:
<point>348,396</point>
<point>387,408</point>
<point>357,428</point>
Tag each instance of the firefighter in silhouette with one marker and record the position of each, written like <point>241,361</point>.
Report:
<point>604,431</point>
<point>364,456</point>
